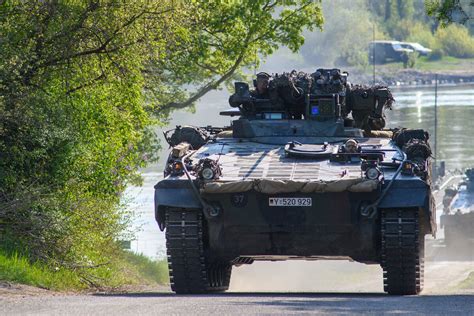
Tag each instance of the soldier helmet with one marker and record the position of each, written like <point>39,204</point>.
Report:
<point>263,74</point>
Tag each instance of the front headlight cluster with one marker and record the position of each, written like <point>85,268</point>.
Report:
<point>208,169</point>
<point>371,169</point>
<point>373,173</point>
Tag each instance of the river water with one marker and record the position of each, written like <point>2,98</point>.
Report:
<point>414,108</point>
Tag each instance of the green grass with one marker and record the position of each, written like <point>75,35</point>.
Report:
<point>468,283</point>
<point>126,269</point>
<point>148,271</point>
<point>16,268</point>
<point>447,63</point>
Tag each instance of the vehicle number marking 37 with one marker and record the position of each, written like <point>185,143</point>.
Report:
<point>289,201</point>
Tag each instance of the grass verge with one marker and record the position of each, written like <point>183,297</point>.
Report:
<point>16,268</point>
<point>468,283</point>
<point>145,270</point>
<point>126,269</point>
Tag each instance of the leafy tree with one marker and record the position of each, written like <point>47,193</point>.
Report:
<point>345,39</point>
<point>455,41</point>
<point>396,16</point>
<point>82,82</point>
<point>229,37</point>
<point>450,11</point>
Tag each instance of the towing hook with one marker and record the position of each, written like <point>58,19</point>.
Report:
<point>368,210</point>
<point>211,210</point>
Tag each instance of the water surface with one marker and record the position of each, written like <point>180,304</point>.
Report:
<point>413,108</point>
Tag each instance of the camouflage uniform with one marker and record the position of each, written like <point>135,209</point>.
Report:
<point>269,94</point>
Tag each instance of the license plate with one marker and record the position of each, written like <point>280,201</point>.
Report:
<point>289,201</point>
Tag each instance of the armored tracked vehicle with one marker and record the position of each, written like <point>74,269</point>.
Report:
<point>458,213</point>
<point>308,173</point>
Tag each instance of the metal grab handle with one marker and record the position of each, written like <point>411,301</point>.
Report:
<point>209,211</point>
<point>371,209</point>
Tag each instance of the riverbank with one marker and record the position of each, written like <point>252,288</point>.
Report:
<point>449,71</point>
<point>411,77</point>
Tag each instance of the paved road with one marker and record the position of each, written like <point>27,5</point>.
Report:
<point>326,287</point>
<point>297,287</point>
<point>240,303</point>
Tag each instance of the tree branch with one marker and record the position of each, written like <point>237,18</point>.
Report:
<point>82,86</point>
<point>213,84</point>
<point>282,22</point>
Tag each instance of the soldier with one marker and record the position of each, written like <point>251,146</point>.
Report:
<point>261,91</point>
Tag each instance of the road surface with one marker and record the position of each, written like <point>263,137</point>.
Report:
<point>328,287</point>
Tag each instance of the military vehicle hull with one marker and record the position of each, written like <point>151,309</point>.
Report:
<point>458,218</point>
<point>248,225</point>
<point>296,178</point>
<point>458,229</point>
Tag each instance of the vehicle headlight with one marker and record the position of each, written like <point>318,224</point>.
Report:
<point>372,173</point>
<point>408,168</point>
<point>208,169</point>
<point>207,174</point>
<point>351,146</point>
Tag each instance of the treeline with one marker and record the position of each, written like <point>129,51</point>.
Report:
<point>82,82</point>
<point>350,26</point>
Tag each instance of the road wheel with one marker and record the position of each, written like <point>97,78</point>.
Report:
<point>219,276</point>
<point>402,252</point>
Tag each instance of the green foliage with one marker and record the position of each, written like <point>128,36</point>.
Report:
<point>449,11</point>
<point>446,63</point>
<point>127,268</point>
<point>81,84</point>
<point>225,37</point>
<point>420,33</point>
<point>397,16</point>
<point>404,29</point>
<point>456,41</point>
<point>412,60</point>
<point>436,54</point>
<point>18,269</point>
<point>149,270</point>
<point>345,38</point>
<point>468,283</point>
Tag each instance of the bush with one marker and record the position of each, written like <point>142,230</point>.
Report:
<point>456,41</point>
<point>348,30</point>
<point>67,230</point>
<point>402,29</point>
<point>421,33</point>
<point>436,54</point>
<point>411,60</point>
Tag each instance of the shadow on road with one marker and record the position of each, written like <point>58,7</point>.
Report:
<point>341,303</point>
<point>369,303</point>
<point>241,294</point>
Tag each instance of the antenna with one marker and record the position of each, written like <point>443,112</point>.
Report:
<point>436,119</point>
<point>255,62</point>
<point>373,51</point>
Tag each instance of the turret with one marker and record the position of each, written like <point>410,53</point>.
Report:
<point>320,104</point>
